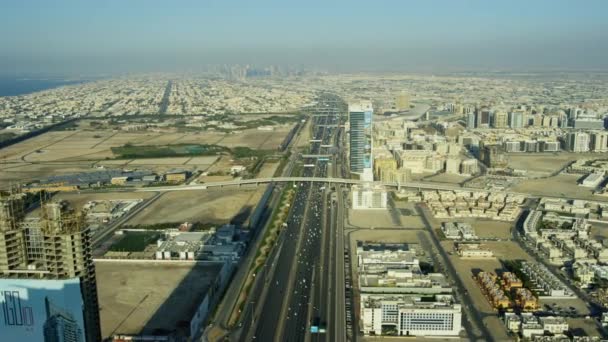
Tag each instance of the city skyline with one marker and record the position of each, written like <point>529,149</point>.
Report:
<point>116,37</point>
<point>343,171</point>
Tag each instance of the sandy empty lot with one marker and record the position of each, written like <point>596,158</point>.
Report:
<point>599,231</point>
<point>65,152</point>
<point>217,205</point>
<point>256,139</point>
<point>582,327</point>
<point>386,235</point>
<point>382,219</point>
<point>539,164</point>
<point>305,133</point>
<point>139,298</point>
<point>563,185</point>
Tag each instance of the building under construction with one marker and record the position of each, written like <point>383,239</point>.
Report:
<point>55,246</point>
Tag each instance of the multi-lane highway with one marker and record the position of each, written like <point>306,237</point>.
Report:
<point>286,315</point>
<point>327,305</point>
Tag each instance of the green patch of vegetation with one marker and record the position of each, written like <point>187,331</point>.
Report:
<point>271,233</point>
<point>7,136</point>
<point>440,234</point>
<point>428,299</point>
<point>284,160</point>
<point>96,124</point>
<point>135,241</point>
<point>242,152</point>
<point>128,151</point>
<point>553,225</point>
<point>68,126</point>
<point>254,168</point>
<point>297,170</point>
<point>427,267</point>
<point>270,121</point>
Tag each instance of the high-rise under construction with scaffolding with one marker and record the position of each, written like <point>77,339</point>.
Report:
<point>54,246</point>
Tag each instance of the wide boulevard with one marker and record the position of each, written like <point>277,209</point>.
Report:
<point>299,285</point>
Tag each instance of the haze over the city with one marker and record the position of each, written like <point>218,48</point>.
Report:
<point>311,171</point>
<point>73,37</point>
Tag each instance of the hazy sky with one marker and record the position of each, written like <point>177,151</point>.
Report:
<point>171,35</point>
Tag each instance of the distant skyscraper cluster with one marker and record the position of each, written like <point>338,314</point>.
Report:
<point>242,72</point>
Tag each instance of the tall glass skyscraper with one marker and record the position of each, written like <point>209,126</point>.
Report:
<point>60,325</point>
<point>360,120</point>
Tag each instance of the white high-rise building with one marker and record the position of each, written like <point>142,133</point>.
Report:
<point>360,122</point>
<point>516,119</point>
<point>471,120</point>
<point>513,146</point>
<point>599,141</point>
<point>469,167</point>
<point>452,165</point>
<point>578,142</point>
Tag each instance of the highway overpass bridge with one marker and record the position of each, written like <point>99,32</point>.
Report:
<point>346,181</point>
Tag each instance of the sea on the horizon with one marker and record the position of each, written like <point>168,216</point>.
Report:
<point>12,86</point>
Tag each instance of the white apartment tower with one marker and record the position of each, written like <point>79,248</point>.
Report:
<point>578,142</point>
<point>599,141</point>
<point>360,121</point>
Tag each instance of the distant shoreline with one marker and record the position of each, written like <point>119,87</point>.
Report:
<point>23,86</point>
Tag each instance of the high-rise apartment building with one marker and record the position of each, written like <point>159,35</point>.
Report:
<point>484,117</point>
<point>500,119</point>
<point>599,141</point>
<point>471,120</point>
<point>452,165</point>
<point>60,325</point>
<point>516,119</point>
<point>550,146</point>
<point>469,166</point>
<point>577,142</point>
<point>360,120</point>
<point>42,262</point>
<point>513,146</point>
<point>493,156</point>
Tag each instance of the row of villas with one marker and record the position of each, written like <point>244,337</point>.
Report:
<point>467,204</point>
<point>568,242</point>
<point>495,289</point>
